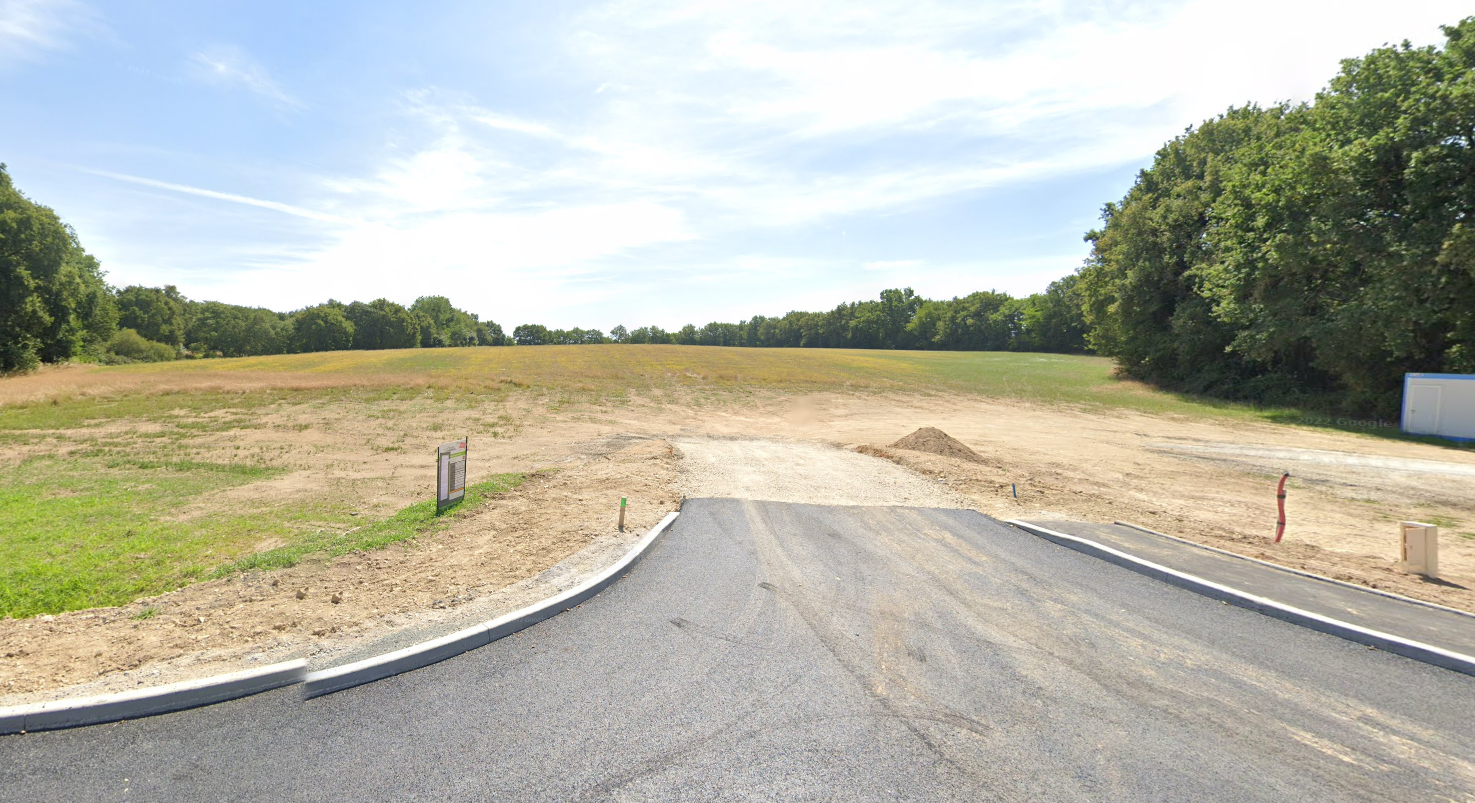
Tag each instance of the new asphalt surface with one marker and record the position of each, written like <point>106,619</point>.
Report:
<point>1446,629</point>
<point>768,651</point>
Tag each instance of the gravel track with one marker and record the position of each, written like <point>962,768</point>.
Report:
<point>803,472</point>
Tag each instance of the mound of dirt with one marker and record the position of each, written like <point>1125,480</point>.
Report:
<point>934,440</point>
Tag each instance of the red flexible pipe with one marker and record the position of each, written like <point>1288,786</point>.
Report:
<point>1280,501</point>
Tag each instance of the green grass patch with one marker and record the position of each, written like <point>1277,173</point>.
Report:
<point>85,532</point>
<point>103,530</point>
<point>411,522</point>
<point>1442,522</point>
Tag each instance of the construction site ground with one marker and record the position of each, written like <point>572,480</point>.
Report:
<point>1205,479</point>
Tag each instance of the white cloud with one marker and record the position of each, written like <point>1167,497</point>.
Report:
<point>696,134</point>
<point>1041,83</point>
<point>295,211</point>
<point>229,65</point>
<point>29,28</point>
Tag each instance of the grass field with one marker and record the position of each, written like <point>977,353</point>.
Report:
<point>60,398</point>
<point>117,482</point>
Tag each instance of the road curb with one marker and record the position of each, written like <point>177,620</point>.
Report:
<point>147,702</point>
<point>80,711</point>
<point>1302,572</point>
<point>338,678</point>
<point>1387,642</point>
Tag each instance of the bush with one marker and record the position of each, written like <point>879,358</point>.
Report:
<point>129,344</point>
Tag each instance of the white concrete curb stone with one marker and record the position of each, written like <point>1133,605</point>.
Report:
<point>149,701</point>
<point>1387,642</point>
<point>338,678</point>
<point>205,691</point>
<point>1288,570</point>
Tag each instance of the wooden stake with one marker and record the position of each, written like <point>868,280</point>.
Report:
<point>622,514</point>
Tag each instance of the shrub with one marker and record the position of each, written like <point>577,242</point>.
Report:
<point>130,344</point>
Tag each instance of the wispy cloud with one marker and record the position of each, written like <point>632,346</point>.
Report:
<point>724,148</point>
<point>295,211</point>
<point>228,65</point>
<point>29,28</point>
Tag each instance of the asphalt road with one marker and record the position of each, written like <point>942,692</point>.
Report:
<point>768,651</point>
<point>1446,629</point>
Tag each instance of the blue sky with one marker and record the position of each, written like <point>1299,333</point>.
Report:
<point>628,162</point>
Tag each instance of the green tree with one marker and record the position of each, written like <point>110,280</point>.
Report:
<point>1142,289</point>
<point>444,325</point>
<point>1053,320</point>
<point>157,314</point>
<point>321,328</point>
<point>531,334</point>
<point>133,347</point>
<point>236,331</point>
<point>382,324</point>
<point>489,333</point>
<point>1309,254</point>
<point>54,304</point>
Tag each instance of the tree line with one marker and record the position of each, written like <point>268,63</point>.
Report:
<point>1307,254</point>
<point>900,319</point>
<point>59,307</point>
<point>55,305</point>
<point>1303,253</point>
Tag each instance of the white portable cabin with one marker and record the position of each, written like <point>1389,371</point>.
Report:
<point>1439,404</point>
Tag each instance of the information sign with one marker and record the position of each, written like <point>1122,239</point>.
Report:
<point>451,474</point>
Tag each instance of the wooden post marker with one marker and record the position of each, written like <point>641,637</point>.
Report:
<point>1280,502</point>
<point>622,514</point>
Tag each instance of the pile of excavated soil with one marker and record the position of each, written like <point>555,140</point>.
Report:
<point>935,441</point>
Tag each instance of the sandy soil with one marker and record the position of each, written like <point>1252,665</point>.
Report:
<point>1347,494</point>
<point>808,473</point>
<point>328,611</point>
<point>1208,480</point>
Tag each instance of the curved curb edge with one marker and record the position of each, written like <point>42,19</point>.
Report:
<point>147,702</point>
<point>164,699</point>
<point>338,678</point>
<point>1387,642</point>
<point>1301,572</point>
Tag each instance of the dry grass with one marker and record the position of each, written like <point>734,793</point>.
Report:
<point>100,467</point>
<point>589,372</point>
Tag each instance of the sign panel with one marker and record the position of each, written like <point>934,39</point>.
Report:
<point>451,474</point>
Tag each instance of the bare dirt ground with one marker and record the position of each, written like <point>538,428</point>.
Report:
<point>1347,494</point>
<point>803,472</point>
<point>1209,480</point>
<point>486,564</point>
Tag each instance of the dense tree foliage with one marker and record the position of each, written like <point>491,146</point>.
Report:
<point>233,331</point>
<point>899,319</point>
<point>1304,253</point>
<point>322,328</point>
<point>383,324</point>
<point>157,314</point>
<point>54,304</point>
<point>130,345</point>
<point>532,334</point>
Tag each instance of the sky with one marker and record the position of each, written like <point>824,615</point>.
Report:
<point>629,162</point>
